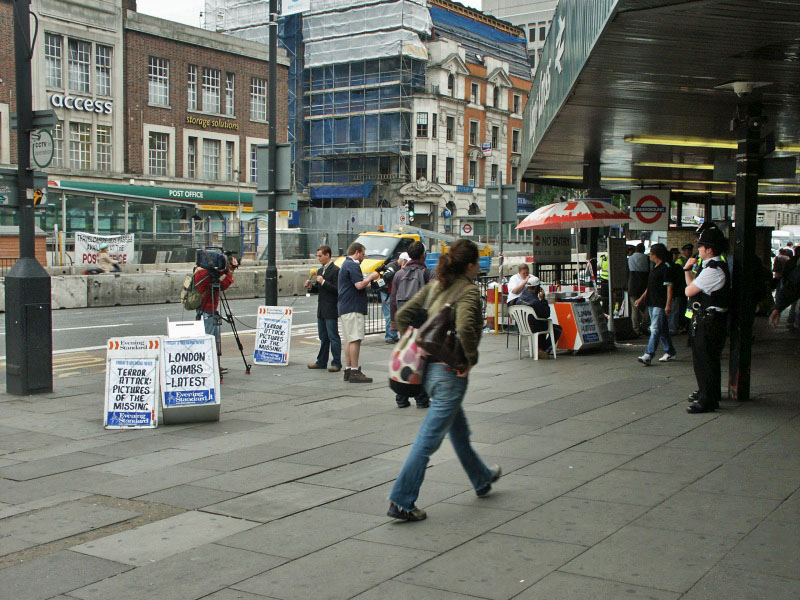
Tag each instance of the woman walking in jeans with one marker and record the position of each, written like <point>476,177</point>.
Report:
<point>446,387</point>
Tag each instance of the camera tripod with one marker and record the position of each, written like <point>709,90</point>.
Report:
<point>218,298</point>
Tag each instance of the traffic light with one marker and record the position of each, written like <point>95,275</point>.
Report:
<point>410,210</point>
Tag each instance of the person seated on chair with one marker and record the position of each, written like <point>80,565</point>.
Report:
<point>517,283</point>
<point>533,296</point>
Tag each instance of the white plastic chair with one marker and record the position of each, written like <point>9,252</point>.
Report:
<point>520,315</point>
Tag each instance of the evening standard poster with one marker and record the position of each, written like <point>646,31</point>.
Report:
<point>273,336</point>
<point>131,393</point>
<point>189,372</point>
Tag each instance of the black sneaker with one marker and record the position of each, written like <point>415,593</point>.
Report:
<point>423,404</point>
<point>402,402</point>
<point>415,514</point>
<point>496,472</point>
<point>347,374</point>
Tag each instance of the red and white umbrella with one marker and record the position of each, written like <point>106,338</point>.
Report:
<point>575,214</point>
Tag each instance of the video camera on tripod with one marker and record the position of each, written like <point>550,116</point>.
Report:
<point>216,260</point>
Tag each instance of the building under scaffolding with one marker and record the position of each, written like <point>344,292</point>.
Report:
<point>364,61</point>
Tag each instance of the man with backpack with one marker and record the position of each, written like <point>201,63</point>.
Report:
<point>405,284</point>
<point>204,283</point>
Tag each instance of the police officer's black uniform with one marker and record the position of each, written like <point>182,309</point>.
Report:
<point>709,329</point>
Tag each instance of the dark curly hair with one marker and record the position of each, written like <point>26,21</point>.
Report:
<point>455,261</point>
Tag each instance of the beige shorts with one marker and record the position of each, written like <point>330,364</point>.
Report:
<point>353,326</point>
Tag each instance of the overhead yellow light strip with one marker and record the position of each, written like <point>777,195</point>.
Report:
<point>697,142</point>
<point>703,167</point>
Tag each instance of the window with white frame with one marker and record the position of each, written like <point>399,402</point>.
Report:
<point>158,81</point>
<point>515,141</point>
<point>451,129</point>
<point>80,55</point>
<point>449,166</point>
<point>80,146</point>
<point>211,91</point>
<point>102,70</point>
<point>191,87</point>
<point>495,137</point>
<point>433,126</point>
<point>191,158</point>
<point>496,97</point>
<point>434,174</point>
<point>517,104</point>
<point>58,145</point>
<point>494,173</point>
<point>474,93</point>
<point>514,173</point>
<point>451,84</point>
<point>422,124</point>
<point>229,106</point>
<point>258,99</point>
<point>253,164</point>
<point>103,147</point>
<point>157,153</point>
<point>473,133</point>
<point>229,161</point>
<point>473,173</point>
<point>211,159</point>
<point>53,66</point>
<point>422,166</point>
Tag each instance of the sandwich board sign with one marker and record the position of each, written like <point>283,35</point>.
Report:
<point>273,336</point>
<point>189,380</point>
<point>132,383</point>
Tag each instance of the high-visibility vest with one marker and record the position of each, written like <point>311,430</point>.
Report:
<point>603,268</point>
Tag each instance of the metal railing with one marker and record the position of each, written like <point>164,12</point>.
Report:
<point>6,264</point>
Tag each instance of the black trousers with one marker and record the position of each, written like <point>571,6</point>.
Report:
<point>708,340</point>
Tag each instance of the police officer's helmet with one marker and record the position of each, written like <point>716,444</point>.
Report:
<point>712,237</point>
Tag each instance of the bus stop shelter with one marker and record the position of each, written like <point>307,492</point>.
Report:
<point>700,97</point>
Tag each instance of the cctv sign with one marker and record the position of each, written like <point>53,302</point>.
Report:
<point>650,210</point>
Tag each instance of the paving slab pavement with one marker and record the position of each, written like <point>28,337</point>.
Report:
<point>610,489</point>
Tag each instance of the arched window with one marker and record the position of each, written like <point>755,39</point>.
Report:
<point>451,206</point>
<point>451,83</point>
<point>474,209</point>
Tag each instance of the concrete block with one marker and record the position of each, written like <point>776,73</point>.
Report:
<point>101,290</point>
<point>146,288</point>
<point>243,285</point>
<point>68,291</point>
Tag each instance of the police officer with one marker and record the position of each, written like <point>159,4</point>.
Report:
<point>602,279</point>
<point>709,295</point>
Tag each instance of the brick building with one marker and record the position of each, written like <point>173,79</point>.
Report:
<point>158,121</point>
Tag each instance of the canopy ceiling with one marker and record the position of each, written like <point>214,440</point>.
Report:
<point>637,69</point>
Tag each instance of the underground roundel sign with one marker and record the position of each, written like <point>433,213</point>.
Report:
<point>650,209</point>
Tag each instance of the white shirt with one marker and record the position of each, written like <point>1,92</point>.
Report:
<point>710,280</point>
<point>514,283</point>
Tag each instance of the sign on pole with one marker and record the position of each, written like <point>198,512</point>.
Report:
<point>552,247</point>
<point>190,380</point>
<point>41,148</point>
<point>402,216</point>
<point>509,196</point>
<point>467,229</point>
<point>132,383</point>
<point>87,246</point>
<point>649,210</point>
<point>273,336</point>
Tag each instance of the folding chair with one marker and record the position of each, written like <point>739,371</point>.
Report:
<point>520,316</point>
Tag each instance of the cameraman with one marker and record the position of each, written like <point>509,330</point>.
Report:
<point>204,280</point>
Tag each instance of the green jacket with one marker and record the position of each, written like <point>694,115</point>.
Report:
<point>466,299</point>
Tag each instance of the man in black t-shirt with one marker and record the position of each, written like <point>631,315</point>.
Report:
<point>658,299</point>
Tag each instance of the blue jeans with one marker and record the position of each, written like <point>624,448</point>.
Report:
<point>445,415</point>
<point>208,324</point>
<point>387,317</point>
<point>328,330</point>
<point>659,331</point>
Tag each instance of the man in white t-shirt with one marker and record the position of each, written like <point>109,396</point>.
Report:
<point>517,283</point>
